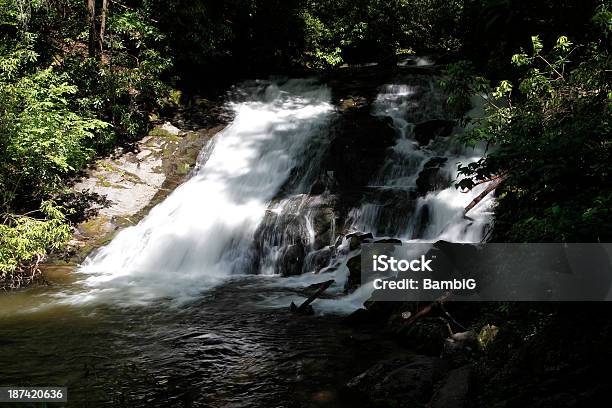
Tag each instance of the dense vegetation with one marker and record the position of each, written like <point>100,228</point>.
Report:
<point>80,77</point>
<point>550,136</point>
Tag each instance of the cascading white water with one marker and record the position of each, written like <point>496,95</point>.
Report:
<point>201,234</point>
<point>406,105</point>
<point>249,206</point>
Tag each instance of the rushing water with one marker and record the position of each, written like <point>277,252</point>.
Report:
<point>201,234</point>
<point>187,308</point>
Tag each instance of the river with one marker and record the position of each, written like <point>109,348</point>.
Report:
<point>187,308</point>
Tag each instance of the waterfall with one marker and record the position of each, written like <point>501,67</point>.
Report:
<point>437,214</point>
<point>264,198</point>
<point>202,233</point>
<point>396,208</point>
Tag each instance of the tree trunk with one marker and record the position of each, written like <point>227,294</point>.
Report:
<point>91,22</point>
<point>482,195</point>
<point>103,14</point>
<point>304,307</point>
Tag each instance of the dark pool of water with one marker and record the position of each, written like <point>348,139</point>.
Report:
<point>225,350</point>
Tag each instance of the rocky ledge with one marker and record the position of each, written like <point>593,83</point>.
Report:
<point>121,188</point>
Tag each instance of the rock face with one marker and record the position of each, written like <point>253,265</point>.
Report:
<point>354,278</point>
<point>459,347</point>
<point>425,132</point>
<point>391,208</point>
<point>358,148</point>
<point>292,259</point>
<point>432,178</point>
<point>400,382</point>
<point>359,238</point>
<point>317,260</point>
<point>298,235</point>
<point>132,181</point>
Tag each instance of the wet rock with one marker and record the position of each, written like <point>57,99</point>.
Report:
<point>454,389</point>
<point>453,260</point>
<point>400,382</point>
<point>132,181</point>
<point>393,241</point>
<point>323,221</point>
<point>460,347</point>
<point>359,147</point>
<point>317,260</point>
<point>354,278</point>
<point>392,208</point>
<point>318,187</point>
<point>431,178</point>
<point>425,132</point>
<point>359,238</point>
<point>291,260</point>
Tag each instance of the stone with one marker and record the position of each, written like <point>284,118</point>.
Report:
<point>431,178</point>
<point>460,347</point>
<point>400,382</point>
<point>427,131</point>
<point>354,278</point>
<point>170,128</point>
<point>358,148</point>
<point>358,238</point>
<point>291,260</point>
<point>317,260</point>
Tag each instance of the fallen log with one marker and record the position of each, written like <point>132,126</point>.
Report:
<point>428,308</point>
<point>305,308</point>
<point>482,195</point>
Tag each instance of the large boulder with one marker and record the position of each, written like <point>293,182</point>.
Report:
<point>431,177</point>
<point>359,147</point>
<point>391,207</point>
<point>460,347</point>
<point>317,260</point>
<point>400,382</point>
<point>427,131</point>
<point>292,259</point>
<point>323,221</point>
<point>358,238</point>
<point>354,277</point>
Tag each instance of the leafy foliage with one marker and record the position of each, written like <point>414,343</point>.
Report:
<point>551,139</point>
<point>24,241</point>
<point>42,139</point>
<point>60,106</point>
